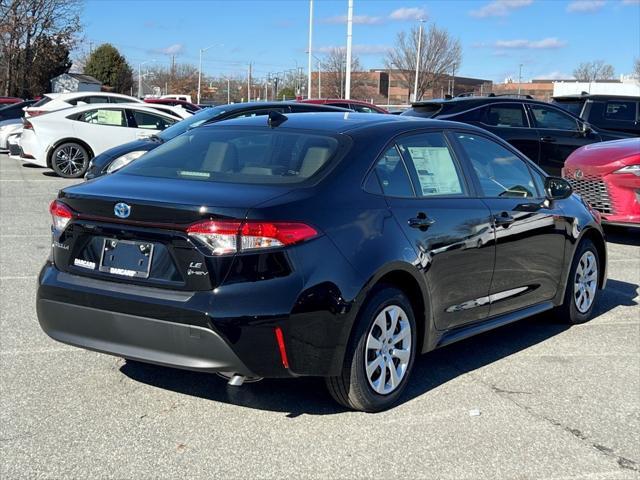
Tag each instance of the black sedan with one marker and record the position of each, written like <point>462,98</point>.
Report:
<point>333,245</point>
<point>117,157</point>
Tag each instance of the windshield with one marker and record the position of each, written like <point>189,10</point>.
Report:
<point>256,156</point>
<point>194,121</point>
<point>573,106</point>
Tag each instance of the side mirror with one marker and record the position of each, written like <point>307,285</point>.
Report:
<point>557,188</point>
<point>585,128</point>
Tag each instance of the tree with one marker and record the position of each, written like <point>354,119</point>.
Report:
<point>440,55</point>
<point>111,68</point>
<point>177,78</point>
<point>592,71</point>
<point>334,69</point>
<point>27,29</point>
<point>636,69</point>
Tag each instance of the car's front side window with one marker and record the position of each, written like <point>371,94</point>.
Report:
<point>552,119</point>
<point>432,164</point>
<point>500,172</point>
<point>150,121</point>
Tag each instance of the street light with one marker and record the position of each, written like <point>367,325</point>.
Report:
<point>520,78</point>
<point>309,51</point>
<point>319,78</point>
<point>415,85</point>
<point>140,77</point>
<point>202,50</point>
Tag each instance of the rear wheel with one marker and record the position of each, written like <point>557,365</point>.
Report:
<point>380,356</point>
<point>70,160</point>
<point>582,286</point>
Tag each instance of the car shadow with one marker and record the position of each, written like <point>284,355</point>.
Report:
<point>307,395</point>
<point>622,235</point>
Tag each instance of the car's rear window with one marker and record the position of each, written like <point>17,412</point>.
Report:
<point>218,154</point>
<point>42,101</point>
<point>426,111</point>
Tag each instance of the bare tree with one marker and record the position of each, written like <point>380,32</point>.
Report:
<point>636,69</point>
<point>440,55</point>
<point>27,29</point>
<point>334,74</point>
<point>592,71</point>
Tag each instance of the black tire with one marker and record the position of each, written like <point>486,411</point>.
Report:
<point>352,387</point>
<point>70,160</point>
<point>569,312</point>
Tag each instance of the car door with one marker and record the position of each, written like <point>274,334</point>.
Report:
<point>559,134</point>
<point>103,128</point>
<point>529,231</point>
<point>449,230</point>
<point>509,121</point>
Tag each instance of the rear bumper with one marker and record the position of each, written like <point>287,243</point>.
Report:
<point>138,338</point>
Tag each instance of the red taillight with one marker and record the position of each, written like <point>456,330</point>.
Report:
<point>281,347</point>
<point>35,113</point>
<point>60,214</point>
<point>27,125</point>
<point>231,236</point>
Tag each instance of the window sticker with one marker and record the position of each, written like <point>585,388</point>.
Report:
<point>110,117</point>
<point>436,171</point>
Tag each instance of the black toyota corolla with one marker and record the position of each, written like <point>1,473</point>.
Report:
<point>333,245</point>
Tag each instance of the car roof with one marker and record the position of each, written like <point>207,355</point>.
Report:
<point>232,107</point>
<point>597,96</point>
<point>83,108</point>
<point>337,122</point>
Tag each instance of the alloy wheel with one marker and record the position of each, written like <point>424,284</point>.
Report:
<point>585,282</point>
<point>70,160</point>
<point>388,350</point>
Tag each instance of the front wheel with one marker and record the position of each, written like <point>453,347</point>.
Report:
<point>380,356</point>
<point>70,160</point>
<point>582,286</point>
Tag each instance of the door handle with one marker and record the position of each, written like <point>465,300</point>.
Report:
<point>504,219</point>
<point>548,139</point>
<point>421,221</point>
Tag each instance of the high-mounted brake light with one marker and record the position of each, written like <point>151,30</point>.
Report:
<point>60,214</point>
<point>224,237</point>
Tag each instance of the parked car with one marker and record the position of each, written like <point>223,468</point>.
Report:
<point>184,98</point>
<point>355,105</point>
<point>607,176</point>
<point>544,132</point>
<point>611,112</point>
<point>11,121</point>
<point>56,101</point>
<point>9,100</point>
<point>176,112</point>
<point>338,245</point>
<point>67,139</point>
<point>190,107</point>
<point>119,156</point>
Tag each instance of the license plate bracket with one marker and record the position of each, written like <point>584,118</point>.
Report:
<point>126,258</point>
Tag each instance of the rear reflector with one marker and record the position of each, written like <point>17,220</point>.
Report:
<point>60,214</point>
<point>281,347</point>
<point>224,237</point>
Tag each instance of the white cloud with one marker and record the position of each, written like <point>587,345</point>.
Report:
<point>545,43</point>
<point>358,49</point>
<point>580,6</point>
<point>499,8</point>
<point>408,14</point>
<point>174,49</point>
<point>357,19</point>
<point>555,75</point>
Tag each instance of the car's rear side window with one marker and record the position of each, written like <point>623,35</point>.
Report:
<point>240,156</point>
<point>620,111</point>
<point>393,175</point>
<point>505,116</point>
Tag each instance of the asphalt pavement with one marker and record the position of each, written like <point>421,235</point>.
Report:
<point>534,400</point>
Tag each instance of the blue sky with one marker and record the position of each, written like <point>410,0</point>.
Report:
<point>550,37</point>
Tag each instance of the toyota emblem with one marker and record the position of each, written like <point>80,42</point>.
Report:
<point>122,210</point>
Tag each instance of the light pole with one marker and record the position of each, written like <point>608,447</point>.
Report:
<point>140,77</point>
<point>519,78</point>
<point>202,50</point>
<point>415,85</point>
<point>347,87</point>
<point>310,41</point>
<point>319,77</point>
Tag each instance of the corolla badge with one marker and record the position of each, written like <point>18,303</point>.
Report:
<point>122,210</point>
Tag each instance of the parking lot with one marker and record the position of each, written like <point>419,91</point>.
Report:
<point>533,400</point>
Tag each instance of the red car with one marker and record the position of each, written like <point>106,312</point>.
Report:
<point>607,176</point>
<point>355,105</point>
<point>189,107</point>
<point>9,100</point>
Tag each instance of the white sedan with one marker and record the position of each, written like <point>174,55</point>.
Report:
<point>66,140</point>
<point>55,101</point>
